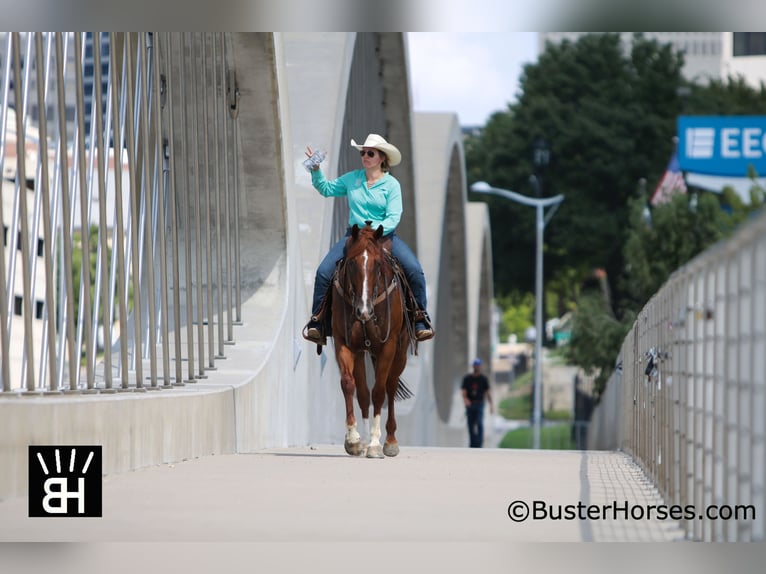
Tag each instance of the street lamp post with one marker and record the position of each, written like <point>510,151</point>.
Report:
<point>542,219</point>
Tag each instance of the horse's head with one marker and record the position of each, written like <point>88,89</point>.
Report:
<point>364,278</point>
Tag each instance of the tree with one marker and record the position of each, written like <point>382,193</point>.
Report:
<point>608,117</point>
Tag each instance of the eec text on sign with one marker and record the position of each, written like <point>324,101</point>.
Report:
<point>722,145</point>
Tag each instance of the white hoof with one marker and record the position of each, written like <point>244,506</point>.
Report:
<point>375,452</point>
<point>354,448</point>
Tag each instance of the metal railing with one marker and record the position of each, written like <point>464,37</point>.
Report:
<point>689,402</point>
<point>118,153</point>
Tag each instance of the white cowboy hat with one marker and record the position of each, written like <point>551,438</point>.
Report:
<point>377,142</point>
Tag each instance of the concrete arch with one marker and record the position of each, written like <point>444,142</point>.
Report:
<point>442,193</point>
<point>481,325</point>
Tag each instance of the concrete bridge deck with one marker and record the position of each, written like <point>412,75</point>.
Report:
<point>319,494</point>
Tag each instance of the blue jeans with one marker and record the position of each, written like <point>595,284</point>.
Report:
<point>475,415</point>
<point>412,270</point>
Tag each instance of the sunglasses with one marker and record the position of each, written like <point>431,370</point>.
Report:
<point>369,152</point>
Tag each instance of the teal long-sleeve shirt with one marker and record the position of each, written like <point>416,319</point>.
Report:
<point>381,203</point>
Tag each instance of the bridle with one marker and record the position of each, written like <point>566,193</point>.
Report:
<point>345,289</point>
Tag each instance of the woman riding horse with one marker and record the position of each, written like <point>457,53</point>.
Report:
<point>373,195</point>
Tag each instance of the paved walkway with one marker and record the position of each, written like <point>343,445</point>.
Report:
<point>319,494</point>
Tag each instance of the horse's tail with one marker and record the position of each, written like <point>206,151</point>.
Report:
<point>403,392</point>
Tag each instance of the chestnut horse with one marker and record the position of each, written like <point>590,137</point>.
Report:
<point>369,316</point>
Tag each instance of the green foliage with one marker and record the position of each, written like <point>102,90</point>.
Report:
<point>516,408</point>
<point>77,257</point>
<point>552,437</point>
<point>609,116</point>
<point>597,337</point>
<point>518,313</point>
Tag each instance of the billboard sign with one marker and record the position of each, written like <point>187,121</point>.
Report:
<point>722,145</point>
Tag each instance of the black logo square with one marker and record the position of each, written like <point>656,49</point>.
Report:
<point>65,481</point>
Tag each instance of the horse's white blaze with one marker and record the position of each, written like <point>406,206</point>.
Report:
<point>352,435</point>
<point>365,298</point>
<point>375,436</point>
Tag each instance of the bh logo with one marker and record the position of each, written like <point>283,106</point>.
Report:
<point>65,481</point>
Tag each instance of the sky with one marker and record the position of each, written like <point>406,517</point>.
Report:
<point>470,74</point>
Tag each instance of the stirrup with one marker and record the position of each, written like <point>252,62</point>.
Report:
<point>422,318</point>
<point>424,334</point>
<point>312,332</point>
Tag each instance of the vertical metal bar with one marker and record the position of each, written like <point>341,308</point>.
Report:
<point>719,402</point>
<point>34,233</point>
<point>752,396</point>
<point>234,113</point>
<point>86,326</point>
<point>110,147</point>
<point>153,99</point>
<point>119,246</point>
<point>208,247</point>
<point>731,454</point>
<point>5,352</point>
<point>225,88</point>
<point>759,382</point>
<point>48,315</point>
<point>142,73</point>
<point>227,193</point>
<point>197,210</point>
<point>66,248</point>
<point>60,169</point>
<point>692,367</point>
<point>216,162</point>
<point>50,304</point>
<point>93,189</point>
<point>102,153</point>
<point>237,268</point>
<point>4,109</point>
<point>186,213</point>
<point>171,194</point>
<point>744,386</point>
<point>85,303</point>
<point>135,206</point>
<point>21,190</point>
<point>20,112</point>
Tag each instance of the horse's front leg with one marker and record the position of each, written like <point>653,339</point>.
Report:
<point>363,396</point>
<point>382,368</point>
<point>391,446</point>
<point>345,357</point>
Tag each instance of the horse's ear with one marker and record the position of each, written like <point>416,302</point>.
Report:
<point>379,232</point>
<point>355,231</point>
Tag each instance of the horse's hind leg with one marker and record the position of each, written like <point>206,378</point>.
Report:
<point>352,442</point>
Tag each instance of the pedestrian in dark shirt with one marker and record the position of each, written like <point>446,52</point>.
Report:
<point>475,389</point>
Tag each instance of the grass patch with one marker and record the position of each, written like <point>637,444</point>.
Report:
<point>523,381</point>
<point>516,408</point>
<point>519,407</point>
<point>552,437</point>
